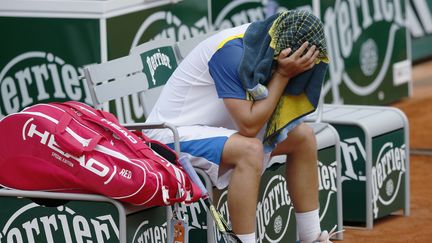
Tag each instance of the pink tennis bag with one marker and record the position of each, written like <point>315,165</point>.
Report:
<point>71,147</point>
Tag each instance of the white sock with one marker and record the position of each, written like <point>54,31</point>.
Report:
<point>248,238</point>
<point>308,225</point>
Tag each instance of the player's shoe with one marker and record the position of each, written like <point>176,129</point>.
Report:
<point>325,236</point>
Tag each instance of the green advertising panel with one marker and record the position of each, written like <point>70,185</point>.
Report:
<point>419,21</point>
<point>275,214</point>
<point>159,64</point>
<point>149,225</point>
<point>196,216</point>
<point>389,161</point>
<point>182,20</point>
<point>387,178</point>
<point>42,58</point>
<point>367,45</point>
<point>296,4</point>
<point>22,220</point>
<point>328,187</point>
<point>353,156</point>
<point>228,13</point>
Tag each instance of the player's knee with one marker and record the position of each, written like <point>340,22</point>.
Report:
<point>304,134</point>
<point>252,154</point>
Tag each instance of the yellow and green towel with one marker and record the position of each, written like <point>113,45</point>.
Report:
<point>263,41</point>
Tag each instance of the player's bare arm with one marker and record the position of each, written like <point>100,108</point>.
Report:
<point>250,116</point>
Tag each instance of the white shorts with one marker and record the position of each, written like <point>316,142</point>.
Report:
<point>204,146</point>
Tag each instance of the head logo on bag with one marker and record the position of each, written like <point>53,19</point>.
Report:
<point>29,131</point>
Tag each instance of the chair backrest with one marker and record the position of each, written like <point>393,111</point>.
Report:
<point>142,73</point>
<point>115,79</point>
<point>160,59</point>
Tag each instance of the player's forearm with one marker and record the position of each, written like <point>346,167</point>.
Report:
<point>261,110</point>
<point>289,65</point>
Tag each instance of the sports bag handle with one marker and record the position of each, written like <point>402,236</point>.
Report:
<point>75,146</point>
<point>109,122</point>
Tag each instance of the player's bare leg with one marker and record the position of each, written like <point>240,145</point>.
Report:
<point>302,179</point>
<point>245,156</point>
<point>301,167</point>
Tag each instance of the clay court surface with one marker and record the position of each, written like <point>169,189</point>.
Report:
<point>418,226</point>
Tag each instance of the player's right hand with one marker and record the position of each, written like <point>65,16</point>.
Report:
<point>296,63</point>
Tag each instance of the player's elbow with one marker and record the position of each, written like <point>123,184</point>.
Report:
<point>249,131</point>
